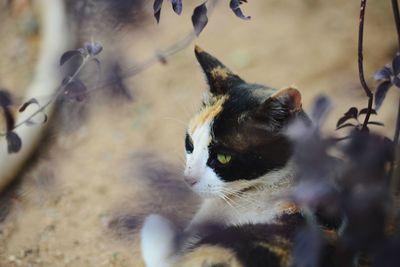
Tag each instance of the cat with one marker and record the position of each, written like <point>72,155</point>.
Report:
<point>238,159</point>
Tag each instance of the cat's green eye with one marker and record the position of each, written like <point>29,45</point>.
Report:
<point>224,159</point>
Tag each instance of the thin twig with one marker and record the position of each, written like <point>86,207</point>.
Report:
<point>368,91</point>
<point>58,91</point>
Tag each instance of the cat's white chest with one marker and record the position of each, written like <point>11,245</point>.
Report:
<point>236,212</point>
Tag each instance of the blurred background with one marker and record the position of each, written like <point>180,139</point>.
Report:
<point>106,161</point>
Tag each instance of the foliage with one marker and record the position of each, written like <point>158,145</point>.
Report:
<point>199,17</point>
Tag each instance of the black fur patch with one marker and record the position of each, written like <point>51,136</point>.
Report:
<point>249,127</point>
<point>257,146</point>
<point>246,240</point>
<point>188,144</point>
<point>219,84</point>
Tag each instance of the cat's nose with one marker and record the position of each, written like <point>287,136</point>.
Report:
<point>190,180</point>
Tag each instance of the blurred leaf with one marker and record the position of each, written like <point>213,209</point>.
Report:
<point>365,110</point>
<point>396,65</point>
<point>177,6</point>
<point>383,74</point>
<point>235,6</point>
<point>396,82</point>
<point>98,66</point>
<point>380,94</point>
<point>93,48</point>
<point>321,106</point>
<point>76,89</point>
<point>9,118</point>
<point>28,103</point>
<point>308,245</point>
<point>117,81</point>
<point>14,142</point>
<point>5,98</point>
<point>68,55</point>
<point>199,18</point>
<point>345,125</point>
<point>157,9</point>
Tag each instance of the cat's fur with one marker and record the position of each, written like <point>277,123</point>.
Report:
<point>243,213</point>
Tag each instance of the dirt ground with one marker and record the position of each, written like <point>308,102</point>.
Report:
<point>83,197</point>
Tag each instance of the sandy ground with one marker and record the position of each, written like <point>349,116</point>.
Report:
<point>83,198</point>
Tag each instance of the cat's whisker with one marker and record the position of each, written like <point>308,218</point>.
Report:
<point>231,203</point>
<point>180,122</point>
<point>240,195</point>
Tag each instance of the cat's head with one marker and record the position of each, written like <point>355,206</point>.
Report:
<point>237,139</point>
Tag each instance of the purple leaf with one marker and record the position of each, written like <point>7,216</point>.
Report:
<point>396,65</point>
<point>98,66</point>
<point>177,6</point>
<point>381,93</point>
<point>365,110</point>
<point>352,113</point>
<point>341,121</point>
<point>396,81</point>
<point>157,9</point>
<point>345,125</point>
<point>28,103</point>
<point>68,55</point>
<point>199,18</point>
<point>308,247</point>
<point>235,6</point>
<point>9,118</point>
<point>93,48</point>
<point>117,81</point>
<point>76,89</point>
<point>31,122</point>
<point>383,74</point>
<point>5,98</point>
<point>14,142</point>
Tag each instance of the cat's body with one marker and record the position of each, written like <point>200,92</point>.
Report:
<point>238,160</point>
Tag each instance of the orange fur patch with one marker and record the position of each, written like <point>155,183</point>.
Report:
<point>209,256</point>
<point>220,72</point>
<point>281,251</point>
<point>198,49</point>
<point>289,208</point>
<point>207,114</point>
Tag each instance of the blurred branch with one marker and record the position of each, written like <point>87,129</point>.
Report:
<point>54,42</point>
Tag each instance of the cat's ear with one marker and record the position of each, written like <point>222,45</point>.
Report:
<point>280,106</point>
<point>219,77</point>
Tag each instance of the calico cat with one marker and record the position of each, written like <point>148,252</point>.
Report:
<point>238,159</point>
